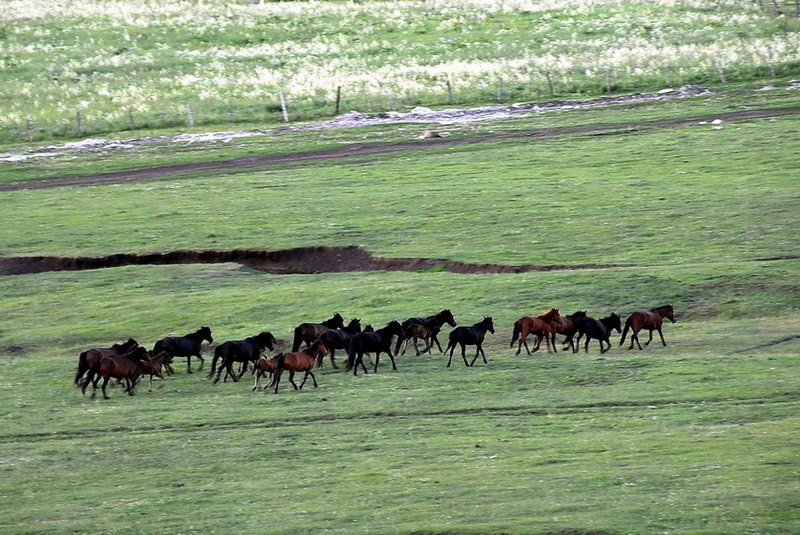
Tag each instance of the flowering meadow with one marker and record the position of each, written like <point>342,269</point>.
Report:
<point>87,66</point>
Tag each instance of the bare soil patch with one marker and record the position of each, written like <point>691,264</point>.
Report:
<point>301,260</point>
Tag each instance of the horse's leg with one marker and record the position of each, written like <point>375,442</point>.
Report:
<point>333,361</point>
<point>586,345</point>
<point>391,357</point>
<point>577,343</point>
<point>635,336</point>
<point>450,347</point>
<point>464,353</point>
<point>538,345</point>
<point>276,379</point>
<point>377,360</point>
<point>308,373</point>
<point>202,361</point>
<point>436,340</point>
<point>291,380</point>
<point>258,376</point>
<point>553,341</point>
<point>105,382</point>
<point>649,339</point>
<point>416,346</point>
<point>361,361</point>
<point>479,351</point>
<point>662,337</point>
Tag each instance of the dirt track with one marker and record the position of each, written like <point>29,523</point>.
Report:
<point>360,150</point>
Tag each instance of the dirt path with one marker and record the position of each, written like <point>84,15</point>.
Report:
<point>361,150</point>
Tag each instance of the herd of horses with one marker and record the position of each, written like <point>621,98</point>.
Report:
<point>128,362</point>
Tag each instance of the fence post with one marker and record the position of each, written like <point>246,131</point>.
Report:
<point>79,126</point>
<point>231,112</point>
<point>130,117</point>
<point>609,76</point>
<point>189,115</point>
<point>29,127</point>
<point>550,83</point>
<point>338,99</point>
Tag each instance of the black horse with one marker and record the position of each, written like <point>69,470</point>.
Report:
<point>338,339</point>
<point>436,321</point>
<point>599,329</point>
<point>243,351</point>
<point>310,332</point>
<point>472,336</point>
<point>379,341</point>
<point>185,346</point>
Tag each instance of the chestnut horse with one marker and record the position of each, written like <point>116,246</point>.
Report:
<point>264,366</point>
<point>543,326</point>
<point>87,358</point>
<point>127,368</point>
<point>426,333</point>
<point>310,332</point>
<point>301,361</point>
<point>651,321</point>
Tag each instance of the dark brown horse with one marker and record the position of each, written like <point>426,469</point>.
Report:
<point>426,333</point>
<point>651,320</point>
<point>301,361</point>
<point>241,351</point>
<point>310,332</point>
<point>470,336</point>
<point>437,320</point>
<point>185,346</point>
<point>127,368</point>
<point>339,339</point>
<point>569,328</point>
<point>87,358</point>
<point>379,341</point>
<point>599,329</point>
<point>543,326</point>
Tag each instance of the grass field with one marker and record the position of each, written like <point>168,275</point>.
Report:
<point>696,437</point>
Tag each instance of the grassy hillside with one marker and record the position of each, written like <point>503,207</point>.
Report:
<point>696,437</point>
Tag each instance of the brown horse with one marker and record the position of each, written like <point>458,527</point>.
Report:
<point>264,366</point>
<point>569,327</point>
<point>543,326</point>
<point>87,358</point>
<point>651,321</point>
<point>301,361</point>
<point>310,332</point>
<point>127,368</point>
<point>156,364</point>
<point>426,333</point>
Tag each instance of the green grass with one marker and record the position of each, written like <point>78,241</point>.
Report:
<point>697,437</point>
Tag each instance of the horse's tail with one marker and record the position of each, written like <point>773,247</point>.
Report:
<point>515,333</point>
<point>351,357</point>
<point>319,360</point>
<point>625,330</point>
<point>90,375</point>
<point>298,339</point>
<point>217,355</point>
<point>83,366</point>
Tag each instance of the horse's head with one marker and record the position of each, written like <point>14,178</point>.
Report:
<point>448,318</point>
<point>669,313</point>
<point>488,323</point>
<point>205,332</point>
<point>338,321</point>
<point>551,315</point>
<point>578,314</point>
<point>354,326</point>
<point>318,348</point>
<point>614,322</point>
<point>266,339</point>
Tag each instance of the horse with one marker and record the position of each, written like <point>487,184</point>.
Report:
<point>600,329</point>
<point>427,333</point>
<point>569,327</point>
<point>157,362</point>
<point>543,326</point>
<point>651,321</point>
<point>379,341</point>
<point>310,332</point>
<point>264,366</point>
<point>243,351</point>
<point>185,346</point>
<point>470,336</point>
<point>127,368</point>
<point>339,339</point>
<point>436,320</point>
<point>301,361</point>
<point>90,356</point>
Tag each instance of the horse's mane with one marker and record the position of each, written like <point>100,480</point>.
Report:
<point>549,314</point>
<point>662,307</point>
